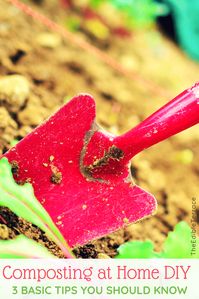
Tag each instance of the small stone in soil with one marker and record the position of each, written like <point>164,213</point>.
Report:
<point>4,232</point>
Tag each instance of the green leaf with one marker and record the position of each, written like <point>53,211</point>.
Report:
<point>22,201</point>
<point>179,244</point>
<point>96,3</point>
<point>136,249</point>
<point>14,142</point>
<point>22,247</point>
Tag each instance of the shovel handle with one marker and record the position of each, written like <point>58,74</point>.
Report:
<point>179,114</point>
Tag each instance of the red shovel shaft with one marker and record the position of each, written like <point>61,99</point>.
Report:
<point>179,114</point>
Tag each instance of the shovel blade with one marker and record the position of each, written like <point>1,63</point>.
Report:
<point>50,158</point>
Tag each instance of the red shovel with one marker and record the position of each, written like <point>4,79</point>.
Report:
<point>80,173</point>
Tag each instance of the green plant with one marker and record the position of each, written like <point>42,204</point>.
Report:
<point>177,245</point>
<point>22,247</point>
<point>139,13</point>
<point>14,142</point>
<point>22,201</point>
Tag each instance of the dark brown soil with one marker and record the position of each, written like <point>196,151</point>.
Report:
<point>14,226</point>
<point>56,70</point>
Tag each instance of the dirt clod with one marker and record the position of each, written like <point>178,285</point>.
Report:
<point>4,232</point>
<point>56,178</point>
<point>113,153</point>
<point>14,167</point>
<point>14,90</point>
<point>8,128</point>
<point>48,40</point>
<point>51,158</point>
<point>33,113</point>
<point>85,252</point>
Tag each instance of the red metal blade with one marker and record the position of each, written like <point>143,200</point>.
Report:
<point>51,158</point>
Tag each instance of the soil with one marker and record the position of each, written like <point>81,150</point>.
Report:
<point>52,70</point>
